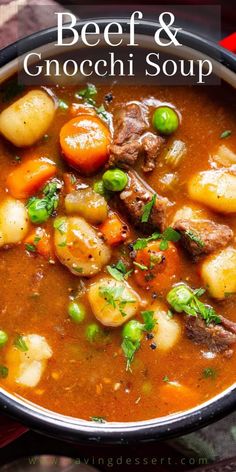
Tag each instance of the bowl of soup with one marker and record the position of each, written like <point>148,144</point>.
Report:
<point>118,257</point>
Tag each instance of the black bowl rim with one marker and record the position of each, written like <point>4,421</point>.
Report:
<point>119,433</point>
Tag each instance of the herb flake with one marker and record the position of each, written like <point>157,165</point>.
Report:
<point>194,237</point>
<point>117,271</point>
<point>3,371</point>
<point>129,348</point>
<point>20,343</point>
<point>30,247</point>
<point>140,266</point>
<point>148,209</point>
<point>149,320</point>
<point>209,372</point>
<point>115,296</point>
<point>226,134</point>
<point>98,419</point>
<point>166,379</point>
<point>63,105</point>
<point>168,235</point>
<point>87,94</point>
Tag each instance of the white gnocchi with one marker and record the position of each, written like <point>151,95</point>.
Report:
<point>78,246</point>
<point>25,121</point>
<point>14,222</point>
<point>219,273</point>
<point>215,188</point>
<point>167,330</point>
<point>113,302</point>
<point>26,368</point>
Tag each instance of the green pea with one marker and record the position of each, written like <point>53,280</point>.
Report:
<point>3,338</point>
<point>115,180</point>
<point>165,120</point>
<point>93,332</point>
<point>98,187</point>
<point>133,330</point>
<point>37,211</point>
<point>178,297</point>
<point>76,312</point>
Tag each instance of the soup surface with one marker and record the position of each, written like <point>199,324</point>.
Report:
<point>117,205</point>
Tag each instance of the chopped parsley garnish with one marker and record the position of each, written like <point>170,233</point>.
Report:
<point>164,245</point>
<point>3,371</point>
<point>147,209</point>
<point>30,247</point>
<point>168,235</point>
<point>62,244</point>
<point>166,379</point>
<point>209,372</point>
<point>118,271</point>
<point>60,225</point>
<point>20,343</point>
<point>102,111</point>
<point>87,94</point>
<point>149,320</point>
<point>141,243</point>
<point>226,134</point>
<point>194,237</point>
<point>183,299</point>
<point>140,266</point>
<point>98,419</point>
<point>229,294</point>
<point>115,297</point>
<point>169,314</point>
<point>198,292</point>
<point>63,105</point>
<point>77,269</point>
<point>72,179</point>
<point>129,348</point>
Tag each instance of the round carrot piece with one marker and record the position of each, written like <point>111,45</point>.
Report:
<point>84,141</point>
<point>27,178</point>
<point>155,268</point>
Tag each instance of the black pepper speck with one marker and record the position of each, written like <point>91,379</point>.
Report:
<point>150,335</point>
<point>153,346</point>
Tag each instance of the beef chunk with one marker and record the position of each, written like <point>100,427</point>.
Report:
<point>151,145</point>
<point>217,337</point>
<point>135,196</point>
<point>203,236</point>
<point>124,155</point>
<point>129,125</point>
<point>130,140</point>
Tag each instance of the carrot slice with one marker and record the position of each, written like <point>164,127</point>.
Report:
<point>114,230</point>
<point>155,268</point>
<point>29,177</point>
<point>39,241</point>
<point>84,141</point>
